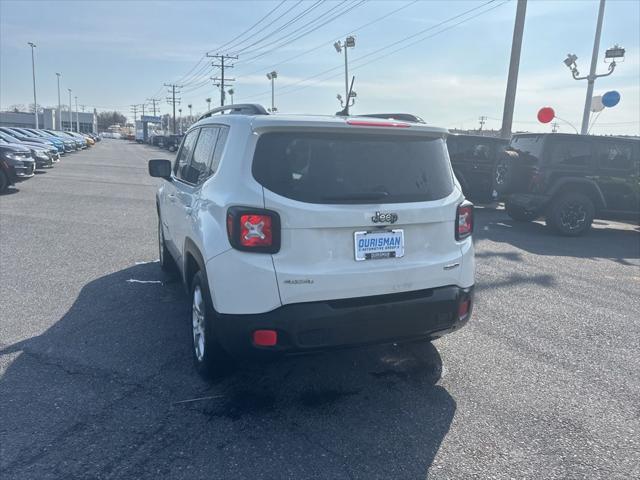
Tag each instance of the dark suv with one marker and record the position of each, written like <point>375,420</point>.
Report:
<point>570,179</point>
<point>474,160</point>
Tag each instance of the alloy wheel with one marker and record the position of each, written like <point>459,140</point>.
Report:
<point>198,323</point>
<point>573,216</point>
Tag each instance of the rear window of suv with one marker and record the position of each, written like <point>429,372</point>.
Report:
<point>353,168</point>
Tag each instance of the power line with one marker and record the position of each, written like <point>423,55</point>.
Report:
<point>225,45</point>
<point>380,57</point>
<point>292,22</point>
<point>238,45</point>
<point>324,44</point>
<point>286,38</point>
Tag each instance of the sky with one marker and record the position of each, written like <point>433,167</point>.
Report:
<point>445,61</point>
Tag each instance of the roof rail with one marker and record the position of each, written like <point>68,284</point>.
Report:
<point>405,117</point>
<point>239,109</point>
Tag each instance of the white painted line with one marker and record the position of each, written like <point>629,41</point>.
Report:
<point>133,280</point>
<point>143,263</point>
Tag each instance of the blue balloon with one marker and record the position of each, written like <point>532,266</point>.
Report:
<point>611,99</point>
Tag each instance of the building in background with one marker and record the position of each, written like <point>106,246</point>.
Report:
<point>47,119</point>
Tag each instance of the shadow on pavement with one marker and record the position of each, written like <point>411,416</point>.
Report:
<point>109,392</point>
<point>604,241</point>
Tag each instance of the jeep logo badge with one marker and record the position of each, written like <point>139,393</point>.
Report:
<point>384,218</point>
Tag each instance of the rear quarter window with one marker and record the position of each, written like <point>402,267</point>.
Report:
<point>353,168</point>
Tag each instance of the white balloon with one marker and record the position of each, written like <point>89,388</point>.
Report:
<point>596,104</point>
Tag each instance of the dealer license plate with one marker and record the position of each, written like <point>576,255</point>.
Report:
<point>379,244</point>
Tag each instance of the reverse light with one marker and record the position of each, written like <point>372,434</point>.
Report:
<point>253,229</point>
<point>464,220</point>
<point>368,123</point>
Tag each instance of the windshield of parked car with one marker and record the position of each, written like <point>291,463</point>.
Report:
<point>353,168</point>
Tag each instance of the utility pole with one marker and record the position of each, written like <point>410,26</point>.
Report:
<point>153,102</point>
<point>82,107</point>
<point>592,72</point>
<point>483,120</point>
<point>77,119</point>
<point>143,105</point>
<point>514,67</point>
<point>59,125</point>
<point>222,66</point>
<point>70,112</point>
<point>134,110</point>
<point>172,101</point>
<point>33,70</point>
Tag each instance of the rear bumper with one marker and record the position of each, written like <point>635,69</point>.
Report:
<point>313,326</point>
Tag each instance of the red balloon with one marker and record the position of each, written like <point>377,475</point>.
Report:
<point>546,114</point>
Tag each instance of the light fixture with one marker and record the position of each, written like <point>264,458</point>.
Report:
<point>614,53</point>
<point>338,46</point>
<point>570,60</point>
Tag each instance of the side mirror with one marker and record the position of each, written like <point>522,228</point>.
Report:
<point>160,169</point>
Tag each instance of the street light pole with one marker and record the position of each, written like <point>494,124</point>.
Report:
<point>592,72</point>
<point>70,112</point>
<point>59,125</point>
<point>77,119</point>
<point>33,70</point>
<point>272,76</point>
<point>349,42</point>
<point>613,53</point>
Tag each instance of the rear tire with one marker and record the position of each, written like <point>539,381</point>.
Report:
<point>571,214</point>
<point>518,213</point>
<point>209,358</point>
<point>4,182</point>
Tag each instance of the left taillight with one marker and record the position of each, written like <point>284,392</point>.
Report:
<point>253,229</point>
<point>464,220</point>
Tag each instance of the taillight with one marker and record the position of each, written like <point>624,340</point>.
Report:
<point>253,229</point>
<point>464,220</point>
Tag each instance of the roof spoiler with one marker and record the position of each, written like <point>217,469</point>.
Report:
<point>239,109</point>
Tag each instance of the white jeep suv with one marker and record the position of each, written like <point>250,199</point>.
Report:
<point>301,233</point>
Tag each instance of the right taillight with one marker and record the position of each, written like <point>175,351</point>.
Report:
<point>464,220</point>
<point>253,229</point>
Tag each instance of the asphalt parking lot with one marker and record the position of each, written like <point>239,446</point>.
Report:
<point>96,378</point>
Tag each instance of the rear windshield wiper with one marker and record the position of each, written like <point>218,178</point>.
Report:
<point>358,196</point>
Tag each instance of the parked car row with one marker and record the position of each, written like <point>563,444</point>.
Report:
<point>25,150</point>
<point>566,179</point>
<point>170,142</point>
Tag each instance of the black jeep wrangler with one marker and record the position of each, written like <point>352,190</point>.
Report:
<point>570,179</point>
<point>474,160</point>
